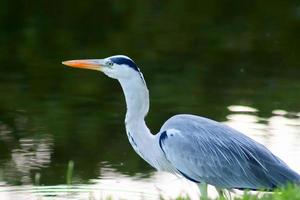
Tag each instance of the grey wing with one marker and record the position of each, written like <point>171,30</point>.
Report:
<point>205,150</point>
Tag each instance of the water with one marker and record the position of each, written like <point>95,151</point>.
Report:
<point>237,64</point>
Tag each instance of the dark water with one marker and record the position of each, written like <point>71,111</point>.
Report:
<point>238,63</point>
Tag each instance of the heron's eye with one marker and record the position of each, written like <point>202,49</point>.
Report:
<point>109,63</point>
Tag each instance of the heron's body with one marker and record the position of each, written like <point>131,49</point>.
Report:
<point>200,149</point>
<point>216,154</point>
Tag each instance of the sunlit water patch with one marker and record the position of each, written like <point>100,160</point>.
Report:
<point>280,133</point>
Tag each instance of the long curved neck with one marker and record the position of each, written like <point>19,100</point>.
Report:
<point>137,102</point>
<point>137,99</point>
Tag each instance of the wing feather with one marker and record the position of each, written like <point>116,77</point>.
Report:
<point>205,150</point>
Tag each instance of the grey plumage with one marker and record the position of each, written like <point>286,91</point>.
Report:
<point>205,150</point>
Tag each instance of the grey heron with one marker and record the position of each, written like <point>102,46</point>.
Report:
<point>201,150</point>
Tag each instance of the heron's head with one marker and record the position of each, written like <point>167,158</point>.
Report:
<point>117,67</point>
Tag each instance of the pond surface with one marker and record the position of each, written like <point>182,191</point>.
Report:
<point>235,63</point>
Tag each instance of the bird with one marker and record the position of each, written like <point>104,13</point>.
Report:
<point>199,149</point>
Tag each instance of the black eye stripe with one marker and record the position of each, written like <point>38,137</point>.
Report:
<point>125,61</point>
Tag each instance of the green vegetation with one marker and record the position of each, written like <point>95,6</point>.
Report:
<point>291,192</point>
<point>70,172</point>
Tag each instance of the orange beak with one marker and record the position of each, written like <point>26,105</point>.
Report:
<point>93,64</point>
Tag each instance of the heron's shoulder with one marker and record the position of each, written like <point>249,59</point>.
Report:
<point>187,121</point>
<point>196,126</point>
<point>190,117</point>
